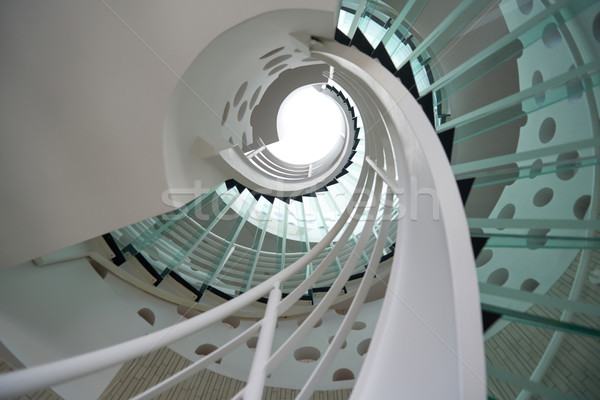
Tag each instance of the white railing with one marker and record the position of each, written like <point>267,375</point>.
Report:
<point>429,327</point>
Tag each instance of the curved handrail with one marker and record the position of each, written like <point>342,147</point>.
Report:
<point>50,374</point>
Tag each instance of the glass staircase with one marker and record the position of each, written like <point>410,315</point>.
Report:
<point>231,239</point>
<point>531,195</point>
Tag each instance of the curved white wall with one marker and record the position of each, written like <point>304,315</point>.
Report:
<point>85,87</point>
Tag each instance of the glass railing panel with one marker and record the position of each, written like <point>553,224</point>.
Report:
<point>228,199</point>
<point>170,220</point>
<point>569,306</point>
<point>452,28</point>
<point>508,47</point>
<point>316,230</point>
<point>538,238</point>
<point>222,264</point>
<point>376,20</point>
<point>555,90</point>
<point>398,39</point>
<point>563,160</point>
<point>345,21</point>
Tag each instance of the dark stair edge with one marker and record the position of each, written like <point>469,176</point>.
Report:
<point>119,258</point>
<point>464,187</point>
<point>340,37</point>
<point>405,74</point>
<point>426,103</point>
<point>384,58</point>
<point>361,43</point>
<point>447,139</point>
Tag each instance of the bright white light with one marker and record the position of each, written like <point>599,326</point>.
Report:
<point>309,124</point>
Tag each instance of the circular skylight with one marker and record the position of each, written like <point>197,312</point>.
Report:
<point>309,125</point>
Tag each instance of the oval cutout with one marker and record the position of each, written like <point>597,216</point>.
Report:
<point>275,61</point>
<point>277,69</point>
<point>343,344</point>
<point>358,326</point>
<point>363,347</point>
<point>231,322</point>
<point>270,53</point>
<point>206,349</point>
<point>581,206</point>
<point>537,238</point>
<point>484,257</point>
<point>536,168</point>
<point>254,97</point>
<point>543,197</point>
<point>525,6</point>
<point>147,315</point>
<point>252,342</point>
<point>240,93</point>
<point>529,285</point>
<point>551,36</point>
<point>343,374</point>
<point>225,113</point>
<point>547,130</point>
<point>306,355</point>
<point>567,164</point>
<point>498,277</point>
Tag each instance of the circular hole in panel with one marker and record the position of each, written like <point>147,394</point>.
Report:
<point>343,344</point>
<point>251,343</point>
<point>536,80</point>
<point>551,36</point>
<point>547,130</point>
<point>242,111</point>
<point>363,347</point>
<point>270,53</point>
<point>231,322</point>
<point>484,257</point>
<point>525,6</point>
<point>240,93</point>
<point>543,197</point>
<point>230,140</point>
<point>596,28</point>
<point>276,60</point>
<point>255,97</point>
<point>507,212</point>
<point>147,315</point>
<point>343,374</point>
<point>307,354</point>
<point>567,164</point>
<point>537,238</point>
<point>498,277</point>
<point>277,69</point>
<point>317,324</point>
<point>187,312</point>
<point>581,206</point>
<point>529,285</point>
<point>536,168</point>
<point>341,311</point>
<point>206,349</point>
<point>225,113</point>
<point>358,326</point>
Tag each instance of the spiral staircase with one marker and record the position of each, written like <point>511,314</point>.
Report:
<point>477,109</point>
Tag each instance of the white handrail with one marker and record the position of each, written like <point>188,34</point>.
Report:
<point>258,374</point>
<point>53,373</point>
